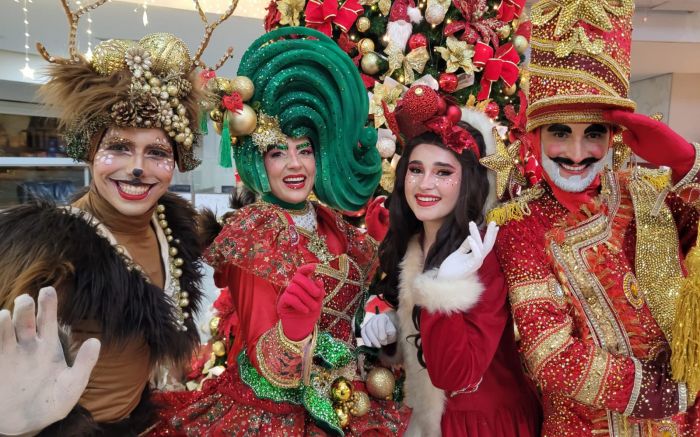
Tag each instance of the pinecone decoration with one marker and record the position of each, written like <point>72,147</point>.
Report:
<point>123,113</point>
<point>183,86</point>
<point>149,111</point>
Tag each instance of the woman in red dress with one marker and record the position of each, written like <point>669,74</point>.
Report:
<point>296,272</point>
<point>451,314</point>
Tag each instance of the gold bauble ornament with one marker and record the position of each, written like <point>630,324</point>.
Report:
<point>218,348</point>
<point>520,43</point>
<point>504,31</point>
<point>243,86</point>
<point>108,56</point>
<point>216,116</point>
<point>242,123</point>
<point>214,325</point>
<point>380,383</point>
<point>365,45</point>
<point>370,63</point>
<point>360,404</point>
<point>509,91</point>
<point>343,416</point>
<point>222,85</point>
<point>341,390</point>
<point>363,24</point>
<point>169,54</point>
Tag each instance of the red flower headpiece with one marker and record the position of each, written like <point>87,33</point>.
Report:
<point>421,110</point>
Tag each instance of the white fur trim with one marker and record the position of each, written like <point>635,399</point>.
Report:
<point>399,32</point>
<point>427,401</point>
<point>414,15</point>
<point>483,124</point>
<point>446,296</point>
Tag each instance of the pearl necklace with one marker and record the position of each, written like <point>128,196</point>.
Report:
<point>179,297</point>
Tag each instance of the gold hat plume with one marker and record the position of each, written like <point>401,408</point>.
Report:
<point>150,83</point>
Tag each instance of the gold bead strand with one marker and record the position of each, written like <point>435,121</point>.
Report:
<point>180,298</point>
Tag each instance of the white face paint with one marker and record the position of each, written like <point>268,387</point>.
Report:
<point>571,184</point>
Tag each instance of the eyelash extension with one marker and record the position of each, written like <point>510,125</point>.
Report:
<point>118,140</point>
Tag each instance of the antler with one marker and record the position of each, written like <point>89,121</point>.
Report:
<point>208,30</point>
<point>73,18</point>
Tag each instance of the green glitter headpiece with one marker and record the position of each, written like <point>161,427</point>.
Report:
<point>313,90</point>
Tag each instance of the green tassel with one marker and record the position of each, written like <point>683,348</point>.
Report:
<point>225,146</point>
<point>204,123</point>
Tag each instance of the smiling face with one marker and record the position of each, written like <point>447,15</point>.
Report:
<point>572,154</point>
<point>432,183</point>
<point>132,168</point>
<point>291,170</point>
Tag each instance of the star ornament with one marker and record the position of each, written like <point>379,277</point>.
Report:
<point>503,163</point>
<point>458,54</point>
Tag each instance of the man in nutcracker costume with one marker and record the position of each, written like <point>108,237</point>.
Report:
<point>595,258</point>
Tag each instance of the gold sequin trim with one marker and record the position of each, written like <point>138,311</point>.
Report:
<point>573,76</point>
<point>589,390</point>
<point>690,177</point>
<point>636,387</point>
<point>523,294</point>
<point>549,344</point>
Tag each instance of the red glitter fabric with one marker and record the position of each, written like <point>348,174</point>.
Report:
<point>586,386</point>
<point>256,255</point>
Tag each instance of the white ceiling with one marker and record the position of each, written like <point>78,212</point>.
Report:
<point>666,39</point>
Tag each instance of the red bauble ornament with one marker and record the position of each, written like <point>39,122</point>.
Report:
<point>492,110</point>
<point>442,106</point>
<point>454,114</point>
<point>417,40</point>
<point>448,82</point>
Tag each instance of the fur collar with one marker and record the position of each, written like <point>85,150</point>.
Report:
<point>422,288</point>
<point>99,286</point>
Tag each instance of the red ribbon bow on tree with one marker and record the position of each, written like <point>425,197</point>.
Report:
<point>502,65</point>
<point>320,15</point>
<point>453,136</point>
<point>510,9</point>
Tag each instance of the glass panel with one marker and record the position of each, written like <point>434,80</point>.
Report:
<point>30,136</point>
<point>21,184</point>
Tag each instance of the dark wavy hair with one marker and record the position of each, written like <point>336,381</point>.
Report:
<point>404,225</point>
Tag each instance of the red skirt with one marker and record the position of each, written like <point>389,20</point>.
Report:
<point>228,407</point>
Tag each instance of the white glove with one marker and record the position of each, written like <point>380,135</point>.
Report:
<point>380,330</point>
<point>471,254</point>
<point>39,388</point>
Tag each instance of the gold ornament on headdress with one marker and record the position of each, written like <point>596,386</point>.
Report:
<point>458,54</point>
<point>504,164</point>
<point>159,95</point>
<point>267,133</point>
<point>570,12</point>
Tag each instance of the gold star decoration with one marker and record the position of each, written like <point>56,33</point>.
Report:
<point>458,54</point>
<point>570,12</point>
<point>503,163</point>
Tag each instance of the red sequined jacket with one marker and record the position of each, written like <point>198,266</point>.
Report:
<point>593,301</point>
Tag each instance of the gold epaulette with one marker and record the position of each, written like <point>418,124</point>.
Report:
<point>514,209</point>
<point>660,179</point>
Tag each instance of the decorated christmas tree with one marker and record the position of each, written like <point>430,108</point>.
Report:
<point>470,49</point>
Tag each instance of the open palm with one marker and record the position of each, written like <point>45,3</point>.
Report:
<point>39,387</point>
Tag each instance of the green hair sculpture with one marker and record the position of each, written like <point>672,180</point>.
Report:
<point>304,80</point>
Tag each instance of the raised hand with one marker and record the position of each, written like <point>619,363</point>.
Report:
<point>299,306</point>
<point>377,219</point>
<point>654,141</point>
<point>39,387</point>
<point>471,254</point>
<point>379,330</point>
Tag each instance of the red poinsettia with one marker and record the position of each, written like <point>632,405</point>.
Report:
<point>273,16</point>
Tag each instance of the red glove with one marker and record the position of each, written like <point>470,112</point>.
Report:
<point>299,306</point>
<point>377,219</point>
<point>654,141</point>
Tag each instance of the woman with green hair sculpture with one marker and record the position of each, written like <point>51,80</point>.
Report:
<point>295,271</point>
